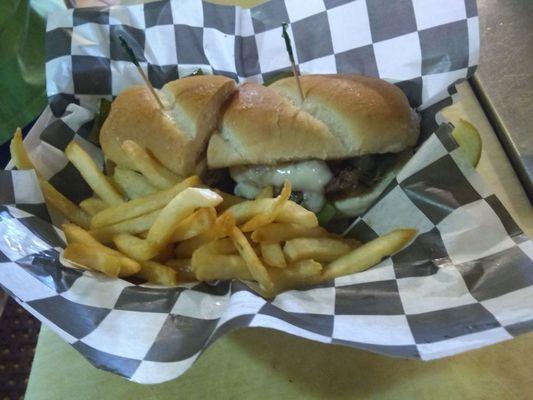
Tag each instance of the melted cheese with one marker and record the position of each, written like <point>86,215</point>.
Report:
<point>308,177</point>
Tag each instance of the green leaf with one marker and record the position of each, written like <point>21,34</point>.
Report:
<point>99,119</point>
<point>326,214</point>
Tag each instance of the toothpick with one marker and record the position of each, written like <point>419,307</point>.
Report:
<point>134,60</point>
<point>295,71</point>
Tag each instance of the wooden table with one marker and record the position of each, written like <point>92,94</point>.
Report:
<point>264,364</point>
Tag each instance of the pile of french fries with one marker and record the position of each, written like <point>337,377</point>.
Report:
<point>165,229</point>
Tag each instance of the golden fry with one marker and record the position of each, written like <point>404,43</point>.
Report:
<point>132,184</point>
<point>153,170</point>
<point>94,177</point>
<point>134,247</point>
<point>93,258</point>
<point>296,214</point>
<point>269,215</point>
<point>66,207</point>
<point>301,273</point>
<point>222,228</point>
<point>93,205</point>
<point>166,253</point>
<point>223,246</point>
<point>246,210</point>
<point>353,243</point>
<point>281,232</point>
<point>254,264</point>
<point>133,226</point>
<point>179,208</point>
<point>318,249</point>
<point>75,234</point>
<point>70,210</point>
<point>19,155</point>
<point>183,267</point>
<point>369,254</point>
<point>210,266</point>
<point>195,224</point>
<point>177,263</point>
<point>273,255</point>
<point>142,205</point>
<point>157,273</point>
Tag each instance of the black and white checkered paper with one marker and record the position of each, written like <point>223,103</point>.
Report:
<point>465,282</point>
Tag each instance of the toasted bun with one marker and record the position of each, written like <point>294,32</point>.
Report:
<point>261,127</point>
<point>368,115</point>
<point>176,136</point>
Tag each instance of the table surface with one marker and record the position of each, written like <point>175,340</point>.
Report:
<point>506,72</point>
<point>261,363</point>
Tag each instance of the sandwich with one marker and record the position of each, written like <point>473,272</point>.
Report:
<point>340,146</point>
<point>176,136</point>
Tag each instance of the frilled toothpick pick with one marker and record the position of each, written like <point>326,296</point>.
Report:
<point>295,71</point>
<point>134,60</point>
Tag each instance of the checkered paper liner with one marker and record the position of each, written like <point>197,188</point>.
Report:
<point>465,282</point>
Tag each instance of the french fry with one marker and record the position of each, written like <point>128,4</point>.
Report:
<point>228,200</point>
<point>70,210</point>
<point>166,253</point>
<point>179,208</point>
<point>98,182</point>
<point>318,249</point>
<point>52,196</point>
<point>93,205</point>
<point>76,234</point>
<point>301,273</point>
<point>142,205</point>
<point>246,210</point>
<point>132,184</point>
<point>223,246</point>
<point>195,224</point>
<point>157,273</point>
<point>254,264</point>
<point>369,254</point>
<point>353,243</point>
<point>210,266</point>
<point>183,267</point>
<point>266,193</point>
<point>93,258</point>
<point>270,215</point>
<point>153,170</point>
<point>222,228</point>
<point>133,226</point>
<point>178,263</point>
<point>296,214</point>
<point>281,232</point>
<point>134,247</point>
<point>273,255</point>
<point>161,231</point>
<point>19,155</point>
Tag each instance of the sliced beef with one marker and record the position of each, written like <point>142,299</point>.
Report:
<point>347,178</point>
<point>219,178</point>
